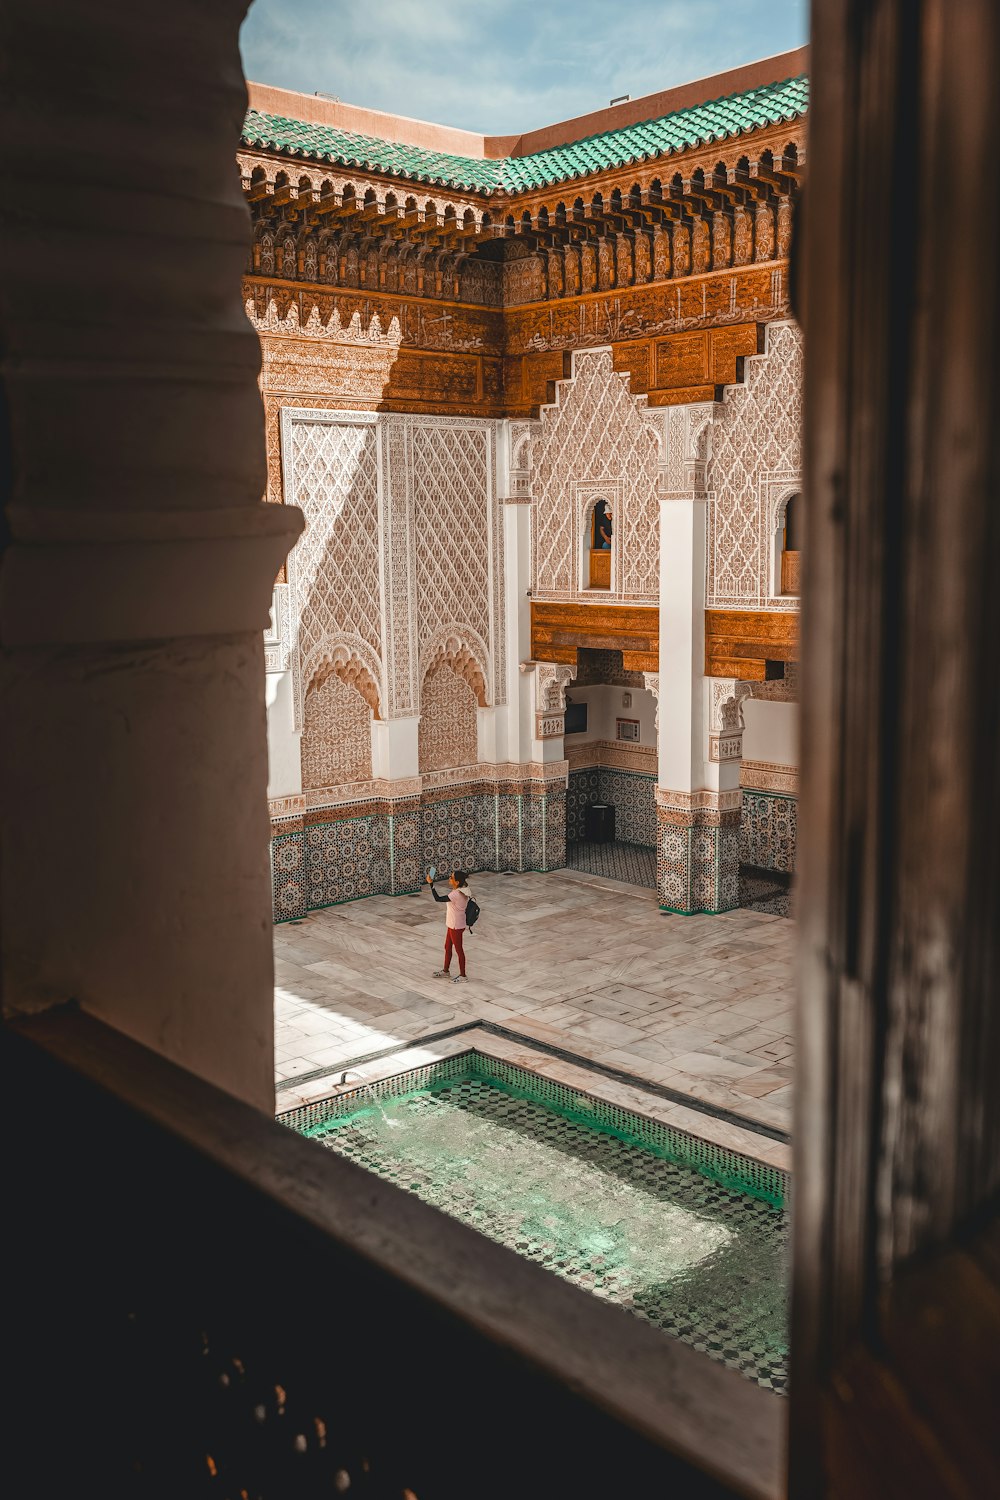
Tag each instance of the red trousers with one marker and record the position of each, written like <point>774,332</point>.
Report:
<point>454,938</point>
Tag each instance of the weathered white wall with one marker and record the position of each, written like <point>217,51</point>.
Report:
<point>139,561</point>
<point>772,732</point>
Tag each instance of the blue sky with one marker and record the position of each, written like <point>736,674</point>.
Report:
<point>500,66</point>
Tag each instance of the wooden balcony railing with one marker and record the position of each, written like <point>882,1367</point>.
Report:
<point>600,568</point>
<point>208,1304</point>
<point>790,572</point>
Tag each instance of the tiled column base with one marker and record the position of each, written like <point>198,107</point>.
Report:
<point>543,831</point>
<point>288,884</point>
<point>698,851</point>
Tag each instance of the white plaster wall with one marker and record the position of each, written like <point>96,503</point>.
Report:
<point>604,706</point>
<point>772,732</point>
<point>284,760</point>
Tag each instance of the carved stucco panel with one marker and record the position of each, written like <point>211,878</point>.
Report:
<point>336,735</point>
<point>331,471</point>
<point>755,440</point>
<point>455,520</point>
<point>448,720</point>
<point>594,434</point>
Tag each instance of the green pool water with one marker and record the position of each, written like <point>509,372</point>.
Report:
<point>690,1237</point>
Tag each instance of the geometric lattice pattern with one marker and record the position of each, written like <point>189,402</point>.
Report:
<point>592,1200</point>
<point>450,479</point>
<point>766,891</point>
<point>336,735</point>
<point>592,437</point>
<point>755,439</point>
<point>332,473</point>
<point>698,862</point>
<point>448,721</point>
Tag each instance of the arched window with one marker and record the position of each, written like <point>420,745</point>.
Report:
<point>791,539</point>
<point>600,531</point>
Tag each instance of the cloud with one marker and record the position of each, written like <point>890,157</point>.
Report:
<point>501,66</point>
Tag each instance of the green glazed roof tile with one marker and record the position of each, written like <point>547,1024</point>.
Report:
<point>701,124</point>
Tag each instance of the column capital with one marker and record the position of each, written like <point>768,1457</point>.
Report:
<point>684,437</point>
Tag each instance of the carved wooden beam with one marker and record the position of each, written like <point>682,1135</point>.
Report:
<point>559,630</point>
<point>739,642</point>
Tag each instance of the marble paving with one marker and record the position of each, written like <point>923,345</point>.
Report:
<point>702,1005</point>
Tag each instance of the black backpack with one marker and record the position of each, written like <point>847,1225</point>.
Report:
<point>471,912</point>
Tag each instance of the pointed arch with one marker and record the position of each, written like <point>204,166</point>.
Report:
<point>466,653</point>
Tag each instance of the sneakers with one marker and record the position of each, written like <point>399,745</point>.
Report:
<point>460,979</point>
<point>440,974</point>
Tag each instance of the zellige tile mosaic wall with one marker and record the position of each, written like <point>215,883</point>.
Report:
<point>382,853</point>
<point>629,792</point>
<point>768,830</point>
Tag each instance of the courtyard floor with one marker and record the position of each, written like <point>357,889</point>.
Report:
<point>699,1005</point>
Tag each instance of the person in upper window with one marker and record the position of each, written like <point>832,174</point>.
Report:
<point>602,529</point>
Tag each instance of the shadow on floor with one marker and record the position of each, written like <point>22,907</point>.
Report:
<point>768,891</point>
<point>635,864</point>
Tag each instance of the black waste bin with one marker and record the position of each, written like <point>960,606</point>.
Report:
<point>599,823</point>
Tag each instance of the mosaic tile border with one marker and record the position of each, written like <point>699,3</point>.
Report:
<point>731,1169</point>
<point>632,864</point>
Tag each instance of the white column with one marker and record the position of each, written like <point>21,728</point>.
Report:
<point>284,740</point>
<point>395,748</point>
<point>681,740</point>
<point>698,787</point>
<point>514,485</point>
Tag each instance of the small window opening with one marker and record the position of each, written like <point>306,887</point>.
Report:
<point>791,545</point>
<point>601,532</point>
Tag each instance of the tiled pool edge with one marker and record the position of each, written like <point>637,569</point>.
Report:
<point>692,1102</point>
<point>733,1168</point>
<point>582,1072</point>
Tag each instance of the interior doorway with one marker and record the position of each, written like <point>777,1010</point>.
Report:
<point>611,749</point>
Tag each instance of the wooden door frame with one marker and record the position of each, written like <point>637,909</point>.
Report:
<point>897,1128</point>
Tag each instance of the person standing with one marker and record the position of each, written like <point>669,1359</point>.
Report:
<point>457,899</point>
